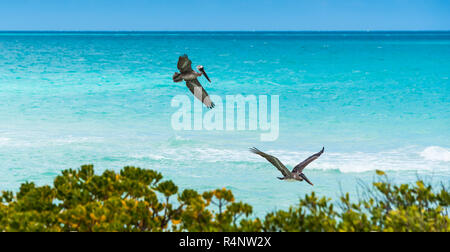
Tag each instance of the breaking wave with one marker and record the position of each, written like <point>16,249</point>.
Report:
<point>436,153</point>
<point>404,159</point>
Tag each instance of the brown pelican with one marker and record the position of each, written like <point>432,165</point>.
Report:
<point>297,172</point>
<point>190,76</point>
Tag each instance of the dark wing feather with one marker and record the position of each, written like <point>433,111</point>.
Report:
<point>199,92</point>
<point>300,167</point>
<point>273,160</point>
<point>184,64</point>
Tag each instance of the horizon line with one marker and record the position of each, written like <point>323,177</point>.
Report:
<point>225,31</point>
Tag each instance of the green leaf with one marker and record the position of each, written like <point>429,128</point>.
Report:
<point>380,173</point>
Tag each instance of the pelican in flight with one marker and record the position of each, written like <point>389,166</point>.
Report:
<point>190,77</point>
<point>297,172</point>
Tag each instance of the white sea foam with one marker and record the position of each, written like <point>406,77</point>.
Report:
<point>73,139</point>
<point>4,140</point>
<point>179,138</point>
<point>33,141</point>
<point>405,159</point>
<point>436,153</point>
<point>156,157</point>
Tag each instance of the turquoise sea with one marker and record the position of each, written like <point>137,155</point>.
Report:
<point>375,100</point>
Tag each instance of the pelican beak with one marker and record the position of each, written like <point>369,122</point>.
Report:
<point>202,69</point>
<point>306,179</point>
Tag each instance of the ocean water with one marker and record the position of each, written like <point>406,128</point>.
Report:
<point>374,100</point>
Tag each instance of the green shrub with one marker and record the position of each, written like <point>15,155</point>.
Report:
<point>137,200</point>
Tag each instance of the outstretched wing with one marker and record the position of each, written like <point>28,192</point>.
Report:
<point>199,92</point>
<point>184,64</point>
<point>300,167</point>
<point>273,160</point>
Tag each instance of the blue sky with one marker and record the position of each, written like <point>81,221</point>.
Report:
<point>138,15</point>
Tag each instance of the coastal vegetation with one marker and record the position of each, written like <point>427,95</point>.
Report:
<point>138,199</point>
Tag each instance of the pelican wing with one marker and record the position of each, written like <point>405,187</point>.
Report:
<point>184,64</point>
<point>273,160</point>
<point>300,167</point>
<point>199,92</point>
